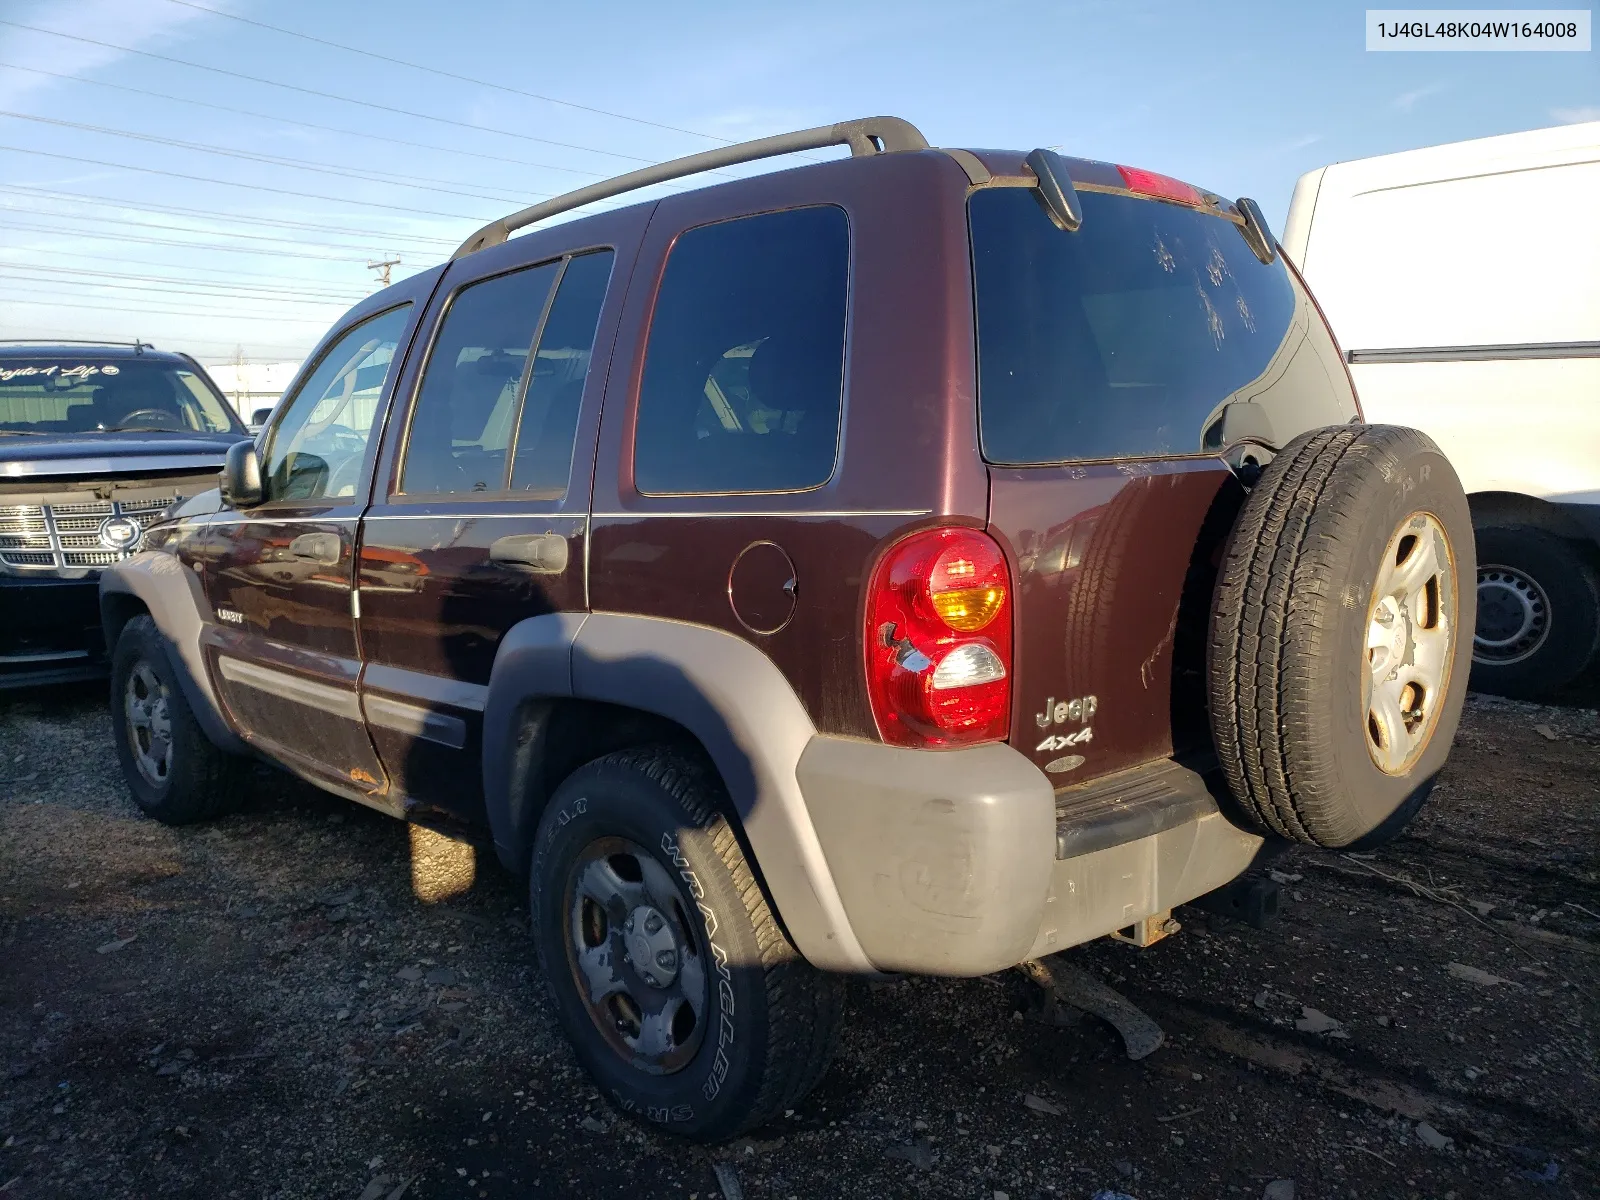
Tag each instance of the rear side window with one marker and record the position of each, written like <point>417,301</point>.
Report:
<point>1126,338</point>
<point>745,364</point>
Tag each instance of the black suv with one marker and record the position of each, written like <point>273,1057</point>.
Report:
<point>96,442</point>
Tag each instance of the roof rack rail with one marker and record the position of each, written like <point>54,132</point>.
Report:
<point>869,135</point>
<point>139,347</point>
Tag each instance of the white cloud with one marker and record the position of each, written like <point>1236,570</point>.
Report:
<point>1300,143</point>
<point>1406,101</point>
<point>1576,116</point>
<point>135,23</point>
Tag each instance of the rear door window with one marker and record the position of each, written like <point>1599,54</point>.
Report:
<point>498,405</point>
<point>743,373</point>
<point>1126,338</point>
<point>467,404</point>
<point>542,452</point>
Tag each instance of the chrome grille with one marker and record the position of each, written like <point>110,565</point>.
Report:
<point>68,535</point>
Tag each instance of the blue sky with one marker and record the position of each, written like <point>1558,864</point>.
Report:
<point>207,248</point>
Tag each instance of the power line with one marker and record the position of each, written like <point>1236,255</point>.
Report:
<point>145,262</point>
<point>311,289</point>
<point>356,133</point>
<point>213,215</point>
<point>210,247</point>
<point>142,310</point>
<point>200,288</point>
<point>44,334</point>
<point>254,187</point>
<point>500,87</point>
<point>402,112</point>
<point>369,176</point>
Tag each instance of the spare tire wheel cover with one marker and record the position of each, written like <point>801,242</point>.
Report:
<point>1410,642</point>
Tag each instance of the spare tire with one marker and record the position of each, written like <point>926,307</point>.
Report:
<point>1341,634</point>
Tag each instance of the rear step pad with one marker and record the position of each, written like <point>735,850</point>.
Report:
<point>1128,806</point>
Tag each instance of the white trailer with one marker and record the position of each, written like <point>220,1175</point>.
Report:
<point>1463,283</point>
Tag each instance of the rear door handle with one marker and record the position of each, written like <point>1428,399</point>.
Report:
<point>323,548</point>
<point>540,553</point>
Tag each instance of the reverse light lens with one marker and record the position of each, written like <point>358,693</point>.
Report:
<point>967,665</point>
<point>931,682</point>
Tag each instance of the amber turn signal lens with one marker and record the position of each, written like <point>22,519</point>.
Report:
<point>968,610</point>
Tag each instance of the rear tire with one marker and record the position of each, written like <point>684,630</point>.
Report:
<point>1538,612</point>
<point>675,984</point>
<point>174,772</point>
<point>1340,635</point>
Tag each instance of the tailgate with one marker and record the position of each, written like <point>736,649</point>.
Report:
<point>1119,365</point>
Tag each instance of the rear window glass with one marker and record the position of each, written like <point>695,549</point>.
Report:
<point>80,395</point>
<point>743,374</point>
<point>1126,338</point>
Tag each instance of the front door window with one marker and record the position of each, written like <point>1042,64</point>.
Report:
<point>316,451</point>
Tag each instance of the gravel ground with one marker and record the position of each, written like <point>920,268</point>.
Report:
<point>307,1000</point>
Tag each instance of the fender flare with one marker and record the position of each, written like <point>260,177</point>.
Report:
<point>724,691</point>
<point>172,596</point>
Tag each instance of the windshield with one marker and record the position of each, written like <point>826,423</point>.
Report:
<point>1151,331</point>
<point>76,395</point>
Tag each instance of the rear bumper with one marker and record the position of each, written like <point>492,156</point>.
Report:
<point>964,862</point>
<point>49,631</point>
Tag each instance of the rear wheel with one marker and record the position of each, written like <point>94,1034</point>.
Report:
<point>173,771</point>
<point>670,975</point>
<point>1340,635</point>
<point>1538,611</point>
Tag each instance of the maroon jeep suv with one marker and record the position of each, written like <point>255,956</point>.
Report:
<point>920,561</point>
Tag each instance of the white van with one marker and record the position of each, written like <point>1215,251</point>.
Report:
<point>1463,283</point>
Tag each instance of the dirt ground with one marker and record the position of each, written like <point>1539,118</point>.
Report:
<point>267,1008</point>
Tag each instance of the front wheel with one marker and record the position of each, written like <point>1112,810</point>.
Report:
<point>172,769</point>
<point>669,973</point>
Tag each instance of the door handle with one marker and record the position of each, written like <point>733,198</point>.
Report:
<point>540,553</point>
<point>323,548</point>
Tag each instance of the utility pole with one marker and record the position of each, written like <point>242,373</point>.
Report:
<point>239,401</point>
<point>382,268</point>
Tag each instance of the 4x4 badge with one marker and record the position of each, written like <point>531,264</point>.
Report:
<point>1060,741</point>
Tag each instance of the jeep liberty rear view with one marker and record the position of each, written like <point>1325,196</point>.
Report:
<point>924,561</point>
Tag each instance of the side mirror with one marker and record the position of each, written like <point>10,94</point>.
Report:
<point>260,416</point>
<point>240,480</point>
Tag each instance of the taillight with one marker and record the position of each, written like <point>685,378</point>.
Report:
<point>1163,187</point>
<point>938,640</point>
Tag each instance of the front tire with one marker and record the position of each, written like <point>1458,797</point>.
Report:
<point>669,973</point>
<point>1538,612</point>
<point>173,771</point>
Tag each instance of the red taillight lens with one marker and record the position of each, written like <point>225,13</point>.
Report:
<point>938,640</point>
<point>1164,187</point>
